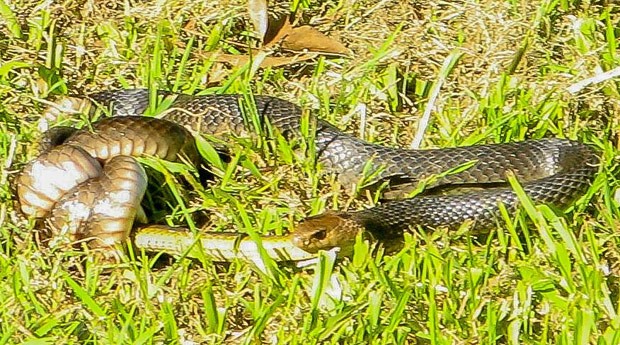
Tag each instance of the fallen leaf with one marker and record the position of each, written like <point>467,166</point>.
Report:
<point>278,28</point>
<point>269,61</point>
<point>307,38</point>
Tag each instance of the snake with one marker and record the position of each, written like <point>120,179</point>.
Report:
<point>100,184</point>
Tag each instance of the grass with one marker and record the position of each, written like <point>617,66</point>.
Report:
<point>493,71</point>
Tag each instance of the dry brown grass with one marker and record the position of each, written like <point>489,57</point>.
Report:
<point>510,83</point>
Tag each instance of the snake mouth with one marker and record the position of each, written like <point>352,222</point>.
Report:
<point>327,231</point>
<point>311,241</point>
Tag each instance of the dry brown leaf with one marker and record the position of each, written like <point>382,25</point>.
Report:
<point>308,38</point>
<point>278,30</point>
<point>190,25</point>
<point>269,61</point>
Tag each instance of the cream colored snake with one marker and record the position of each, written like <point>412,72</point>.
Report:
<point>101,187</point>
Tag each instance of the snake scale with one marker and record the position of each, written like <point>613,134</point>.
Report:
<point>551,171</point>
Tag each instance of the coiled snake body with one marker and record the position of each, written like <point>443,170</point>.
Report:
<point>552,171</point>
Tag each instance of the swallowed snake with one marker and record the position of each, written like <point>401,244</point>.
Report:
<point>87,185</point>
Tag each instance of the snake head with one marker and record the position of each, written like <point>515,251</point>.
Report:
<point>326,231</point>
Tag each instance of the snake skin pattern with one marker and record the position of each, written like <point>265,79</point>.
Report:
<point>551,171</point>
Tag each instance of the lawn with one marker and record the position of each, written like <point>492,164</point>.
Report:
<point>414,74</point>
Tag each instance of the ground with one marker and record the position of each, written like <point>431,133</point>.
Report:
<point>485,71</point>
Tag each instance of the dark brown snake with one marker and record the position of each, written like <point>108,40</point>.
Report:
<point>551,171</point>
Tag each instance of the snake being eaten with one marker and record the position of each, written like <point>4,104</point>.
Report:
<point>87,184</point>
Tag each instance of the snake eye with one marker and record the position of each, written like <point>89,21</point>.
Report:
<point>320,234</point>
